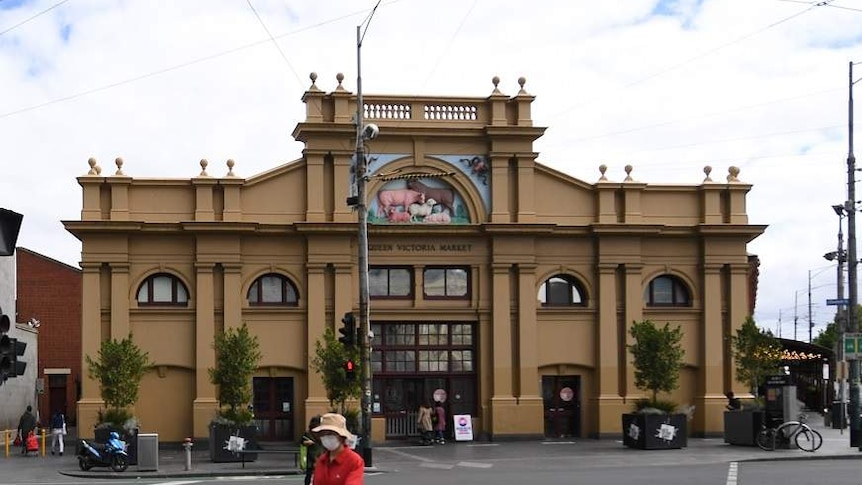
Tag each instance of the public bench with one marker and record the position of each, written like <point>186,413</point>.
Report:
<point>263,451</point>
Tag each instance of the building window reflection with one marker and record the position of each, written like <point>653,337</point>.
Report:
<point>562,290</point>
<point>667,290</point>
<point>163,289</point>
<point>272,289</point>
<point>446,283</point>
<point>390,282</point>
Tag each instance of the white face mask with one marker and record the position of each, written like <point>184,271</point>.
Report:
<point>330,442</point>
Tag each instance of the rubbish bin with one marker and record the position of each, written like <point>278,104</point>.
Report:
<point>148,452</point>
<point>839,415</point>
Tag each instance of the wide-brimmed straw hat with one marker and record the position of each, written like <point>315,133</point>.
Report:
<point>335,423</point>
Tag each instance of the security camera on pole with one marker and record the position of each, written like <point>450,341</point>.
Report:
<point>363,132</point>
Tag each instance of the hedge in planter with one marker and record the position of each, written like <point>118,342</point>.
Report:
<point>657,358</point>
<point>237,356</point>
<point>119,368</point>
<point>757,354</point>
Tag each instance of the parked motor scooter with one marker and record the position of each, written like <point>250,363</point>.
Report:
<point>112,454</point>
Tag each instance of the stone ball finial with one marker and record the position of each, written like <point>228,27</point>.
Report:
<point>495,80</point>
<point>521,82</point>
<point>313,77</point>
<point>204,164</point>
<point>602,169</point>
<point>706,171</point>
<point>92,163</point>
<point>119,162</point>
<point>733,174</point>
<point>339,77</point>
<point>628,170</point>
<point>230,164</point>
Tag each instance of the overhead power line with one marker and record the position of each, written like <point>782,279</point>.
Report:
<point>33,17</point>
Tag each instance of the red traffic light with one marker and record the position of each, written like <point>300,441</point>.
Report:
<point>350,370</point>
<point>349,365</point>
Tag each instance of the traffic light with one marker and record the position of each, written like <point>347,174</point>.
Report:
<point>18,366</point>
<point>7,350</point>
<point>10,225</point>
<point>350,370</point>
<point>348,331</point>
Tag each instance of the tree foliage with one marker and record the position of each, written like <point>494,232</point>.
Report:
<point>757,354</point>
<point>329,359</point>
<point>237,356</point>
<point>119,368</point>
<point>657,354</point>
<point>829,337</point>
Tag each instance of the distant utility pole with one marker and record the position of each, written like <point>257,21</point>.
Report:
<point>852,321</point>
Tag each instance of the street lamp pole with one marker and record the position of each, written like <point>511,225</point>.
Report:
<point>852,321</point>
<point>363,132</point>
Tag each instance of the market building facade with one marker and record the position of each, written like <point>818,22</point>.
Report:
<point>499,285</point>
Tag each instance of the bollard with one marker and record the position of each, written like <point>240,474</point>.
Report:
<point>44,435</point>
<point>6,441</point>
<point>187,444</point>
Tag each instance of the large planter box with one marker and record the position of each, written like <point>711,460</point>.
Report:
<point>101,435</point>
<point>741,427</point>
<point>655,431</point>
<point>220,436</point>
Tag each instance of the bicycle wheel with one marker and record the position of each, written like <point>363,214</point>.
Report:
<point>766,439</point>
<point>808,439</point>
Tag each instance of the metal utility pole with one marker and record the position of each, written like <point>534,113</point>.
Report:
<point>853,324</point>
<point>841,317</point>
<point>363,132</point>
<point>810,322</point>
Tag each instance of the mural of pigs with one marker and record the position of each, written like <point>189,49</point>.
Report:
<point>394,198</point>
<point>444,197</point>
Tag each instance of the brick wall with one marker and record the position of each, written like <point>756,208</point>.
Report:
<point>50,291</point>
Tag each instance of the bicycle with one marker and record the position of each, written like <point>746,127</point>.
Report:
<point>805,437</point>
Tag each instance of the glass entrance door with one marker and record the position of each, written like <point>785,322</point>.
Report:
<point>562,401</point>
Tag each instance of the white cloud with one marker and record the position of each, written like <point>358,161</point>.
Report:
<point>709,82</point>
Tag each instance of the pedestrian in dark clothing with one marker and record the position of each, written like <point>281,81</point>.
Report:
<point>26,425</point>
<point>440,427</point>
<point>312,448</point>
<point>733,402</point>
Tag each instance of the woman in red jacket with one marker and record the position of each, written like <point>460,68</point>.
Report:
<point>338,465</point>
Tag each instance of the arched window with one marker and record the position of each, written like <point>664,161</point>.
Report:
<point>667,290</point>
<point>163,289</point>
<point>562,290</point>
<point>273,289</point>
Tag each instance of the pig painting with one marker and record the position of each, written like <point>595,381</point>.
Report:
<point>395,198</point>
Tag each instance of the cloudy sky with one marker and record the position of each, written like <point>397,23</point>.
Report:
<point>666,86</point>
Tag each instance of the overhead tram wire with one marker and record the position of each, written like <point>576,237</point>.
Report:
<point>686,61</point>
<point>823,4</point>
<point>178,66</point>
<point>275,43</point>
<point>33,17</point>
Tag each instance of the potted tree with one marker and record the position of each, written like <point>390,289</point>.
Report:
<point>237,357</point>
<point>330,357</point>
<point>119,368</point>
<point>757,354</point>
<point>657,357</point>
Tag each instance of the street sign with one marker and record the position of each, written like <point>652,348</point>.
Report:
<point>837,301</point>
<point>852,346</point>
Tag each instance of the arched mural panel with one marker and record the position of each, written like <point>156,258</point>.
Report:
<point>418,201</point>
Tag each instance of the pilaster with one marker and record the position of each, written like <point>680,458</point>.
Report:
<point>233,294</point>
<point>500,189</point>
<point>119,197</point>
<point>526,190</point>
<point>314,180</point>
<point>91,340</point>
<point>711,376</point>
<point>232,188</point>
<point>205,402</point>
<point>634,304</point>
<point>119,301</point>
<point>609,405</point>
<point>341,167</point>
<point>316,327</point>
<point>204,198</point>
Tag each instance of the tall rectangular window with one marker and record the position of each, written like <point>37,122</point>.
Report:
<point>447,283</point>
<point>390,282</point>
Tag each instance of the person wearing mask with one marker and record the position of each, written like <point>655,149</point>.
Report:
<point>58,430</point>
<point>26,425</point>
<point>312,448</point>
<point>338,465</point>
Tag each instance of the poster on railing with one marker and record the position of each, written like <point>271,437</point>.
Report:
<point>463,427</point>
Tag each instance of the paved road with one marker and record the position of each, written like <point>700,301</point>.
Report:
<point>542,462</point>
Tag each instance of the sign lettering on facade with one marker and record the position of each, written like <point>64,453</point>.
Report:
<point>422,247</point>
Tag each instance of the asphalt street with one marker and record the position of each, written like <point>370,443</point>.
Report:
<point>704,462</point>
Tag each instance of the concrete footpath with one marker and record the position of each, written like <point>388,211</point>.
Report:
<point>399,455</point>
